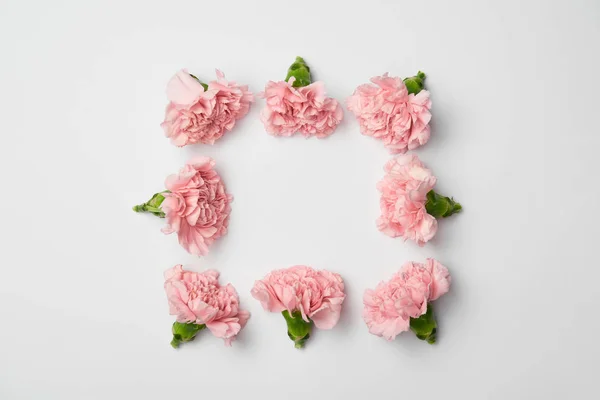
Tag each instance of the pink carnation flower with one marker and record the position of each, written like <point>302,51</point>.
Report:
<point>197,207</point>
<point>198,115</point>
<point>306,110</point>
<point>389,308</point>
<point>403,196</point>
<point>198,298</point>
<point>317,295</point>
<point>386,111</point>
<point>406,173</point>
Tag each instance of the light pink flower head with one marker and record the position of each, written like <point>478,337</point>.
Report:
<point>403,196</point>
<point>198,115</point>
<point>389,308</point>
<point>197,207</point>
<point>306,110</point>
<point>388,112</point>
<point>426,282</point>
<point>318,295</point>
<point>198,298</point>
<point>405,173</point>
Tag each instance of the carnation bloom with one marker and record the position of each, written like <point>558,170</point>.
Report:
<point>196,206</point>
<point>403,302</point>
<point>406,173</point>
<point>303,295</point>
<point>199,113</point>
<point>198,301</point>
<point>298,106</point>
<point>389,111</point>
<point>306,110</point>
<point>408,218</point>
<point>403,195</point>
<point>409,206</point>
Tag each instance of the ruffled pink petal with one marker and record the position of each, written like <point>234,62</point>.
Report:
<point>326,317</point>
<point>173,273</point>
<point>440,277</point>
<point>204,312</point>
<point>183,89</point>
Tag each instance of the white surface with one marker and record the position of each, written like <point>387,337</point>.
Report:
<point>515,94</point>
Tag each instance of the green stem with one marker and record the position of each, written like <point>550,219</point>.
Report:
<point>425,327</point>
<point>298,329</point>
<point>176,341</point>
<point>153,205</point>
<point>299,70</point>
<point>441,206</point>
<point>415,84</point>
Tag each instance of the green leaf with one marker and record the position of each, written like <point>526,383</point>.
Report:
<point>298,329</point>
<point>425,327</point>
<point>299,70</point>
<point>415,84</point>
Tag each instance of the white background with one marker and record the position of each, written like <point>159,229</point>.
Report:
<point>514,138</point>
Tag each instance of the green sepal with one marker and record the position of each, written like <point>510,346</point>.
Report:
<point>415,84</point>
<point>298,329</point>
<point>425,326</point>
<point>299,343</point>
<point>299,70</point>
<point>204,85</point>
<point>440,206</point>
<point>185,332</point>
<point>153,205</point>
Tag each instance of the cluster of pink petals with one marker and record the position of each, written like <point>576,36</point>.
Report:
<point>197,207</point>
<point>389,308</point>
<point>196,115</point>
<point>403,195</point>
<point>198,298</point>
<point>318,295</point>
<point>306,110</point>
<point>386,111</point>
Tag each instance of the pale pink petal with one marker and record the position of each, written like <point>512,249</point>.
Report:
<point>204,312</point>
<point>441,278</point>
<point>327,317</point>
<point>183,89</point>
